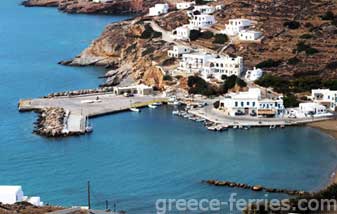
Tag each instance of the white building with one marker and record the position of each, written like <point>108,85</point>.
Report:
<point>204,9</point>
<point>202,21</point>
<point>211,66</point>
<point>102,1</point>
<point>178,51</point>
<point>134,89</point>
<point>182,32</point>
<point>184,5</point>
<point>158,9</point>
<point>13,194</point>
<point>249,35</point>
<point>251,103</point>
<point>219,7</point>
<point>312,109</point>
<point>255,74</point>
<point>325,97</point>
<point>234,26</point>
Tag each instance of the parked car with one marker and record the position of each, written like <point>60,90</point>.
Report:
<point>239,113</point>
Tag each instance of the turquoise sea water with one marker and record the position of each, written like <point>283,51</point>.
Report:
<point>130,158</point>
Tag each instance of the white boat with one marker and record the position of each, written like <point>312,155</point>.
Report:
<point>211,128</point>
<point>176,112</point>
<point>152,106</point>
<point>176,103</point>
<point>272,126</point>
<point>134,109</point>
<point>88,127</point>
<point>157,104</point>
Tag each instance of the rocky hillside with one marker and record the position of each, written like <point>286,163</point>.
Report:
<point>88,6</point>
<point>26,208</point>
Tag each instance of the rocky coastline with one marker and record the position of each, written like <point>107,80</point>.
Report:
<point>115,7</point>
<point>256,188</point>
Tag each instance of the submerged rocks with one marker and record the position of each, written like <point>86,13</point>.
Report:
<point>256,188</point>
<point>50,122</point>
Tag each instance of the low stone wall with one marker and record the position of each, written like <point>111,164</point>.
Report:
<point>50,122</point>
<point>80,92</point>
<point>256,188</point>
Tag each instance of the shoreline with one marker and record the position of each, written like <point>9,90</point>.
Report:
<point>328,127</point>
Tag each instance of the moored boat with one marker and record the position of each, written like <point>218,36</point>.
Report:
<point>152,106</point>
<point>134,109</point>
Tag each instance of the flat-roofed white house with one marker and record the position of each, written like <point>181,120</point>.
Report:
<point>178,51</point>
<point>158,9</point>
<point>312,109</point>
<point>13,194</point>
<point>184,5</point>
<point>251,103</point>
<point>211,66</point>
<point>182,32</point>
<point>218,66</point>
<point>255,74</point>
<point>249,35</point>
<point>204,9</point>
<point>202,21</point>
<point>235,26</point>
<point>325,97</point>
<point>133,89</point>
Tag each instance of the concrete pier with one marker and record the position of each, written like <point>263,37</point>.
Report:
<point>84,106</point>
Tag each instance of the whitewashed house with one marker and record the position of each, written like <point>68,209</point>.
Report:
<point>325,97</point>
<point>219,7</point>
<point>235,26</point>
<point>255,74</point>
<point>249,35</point>
<point>102,1</point>
<point>251,103</point>
<point>178,51</point>
<point>204,9</point>
<point>158,9</point>
<point>13,194</point>
<point>184,5</point>
<point>211,66</point>
<point>182,32</point>
<point>312,109</point>
<point>202,21</point>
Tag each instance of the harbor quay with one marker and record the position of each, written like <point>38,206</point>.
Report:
<point>77,109</point>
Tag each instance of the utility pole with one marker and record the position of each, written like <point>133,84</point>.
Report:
<point>88,188</point>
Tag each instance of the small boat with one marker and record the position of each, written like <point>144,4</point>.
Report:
<point>212,128</point>
<point>134,109</point>
<point>272,126</point>
<point>176,103</point>
<point>152,106</point>
<point>157,104</point>
<point>88,127</point>
<point>246,127</point>
<point>176,112</point>
<point>235,127</point>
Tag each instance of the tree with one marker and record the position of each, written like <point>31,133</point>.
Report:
<point>220,39</point>
<point>194,35</point>
<point>292,25</point>
<point>269,63</point>
<point>290,100</point>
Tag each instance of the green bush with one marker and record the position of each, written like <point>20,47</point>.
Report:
<point>194,35</point>
<point>216,104</point>
<point>301,46</point>
<point>206,35</point>
<point>197,85</point>
<point>167,77</point>
<point>311,51</point>
<point>269,63</point>
<point>292,25</point>
<point>329,15</point>
<point>332,65</point>
<point>293,61</point>
<point>290,100</point>
<point>200,2</point>
<point>220,39</point>
<point>306,36</point>
<point>149,33</point>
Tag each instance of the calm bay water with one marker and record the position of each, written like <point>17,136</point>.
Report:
<point>130,158</point>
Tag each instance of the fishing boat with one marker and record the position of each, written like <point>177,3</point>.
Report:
<point>134,109</point>
<point>88,127</point>
<point>157,104</point>
<point>152,106</point>
<point>211,128</point>
<point>272,126</point>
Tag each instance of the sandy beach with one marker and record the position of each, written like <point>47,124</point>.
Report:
<point>329,127</point>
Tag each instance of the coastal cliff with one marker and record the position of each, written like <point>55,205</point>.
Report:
<point>90,7</point>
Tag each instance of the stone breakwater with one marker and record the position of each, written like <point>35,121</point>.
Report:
<point>80,92</point>
<point>256,188</point>
<point>50,122</point>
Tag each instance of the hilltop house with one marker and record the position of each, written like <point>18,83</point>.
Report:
<point>249,35</point>
<point>182,32</point>
<point>235,26</point>
<point>211,66</point>
<point>201,21</point>
<point>158,9</point>
<point>204,9</point>
<point>184,5</point>
<point>13,194</point>
<point>325,97</point>
<point>251,103</point>
<point>255,74</point>
<point>178,51</point>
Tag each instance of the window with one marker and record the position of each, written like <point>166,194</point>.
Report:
<point>253,104</point>
<point>247,103</point>
<point>236,104</point>
<point>242,104</point>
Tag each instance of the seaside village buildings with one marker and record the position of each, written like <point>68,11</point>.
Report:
<point>158,9</point>
<point>252,103</point>
<point>325,97</point>
<point>184,5</point>
<point>241,28</point>
<point>14,194</point>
